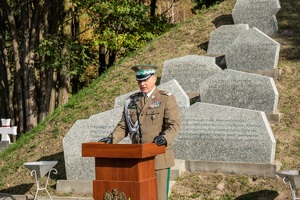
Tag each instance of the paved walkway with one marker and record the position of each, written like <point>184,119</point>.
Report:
<point>31,197</point>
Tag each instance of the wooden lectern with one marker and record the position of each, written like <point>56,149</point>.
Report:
<point>127,168</point>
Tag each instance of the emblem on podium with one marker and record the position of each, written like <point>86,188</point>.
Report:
<point>114,195</point>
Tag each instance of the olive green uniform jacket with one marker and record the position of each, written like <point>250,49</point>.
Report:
<point>159,115</point>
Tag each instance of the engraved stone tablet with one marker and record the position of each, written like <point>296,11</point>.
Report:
<point>219,133</point>
<point>253,50</point>
<point>257,13</point>
<point>241,90</point>
<point>189,71</point>
<point>221,38</point>
<point>87,130</point>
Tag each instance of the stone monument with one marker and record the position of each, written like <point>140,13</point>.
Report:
<point>240,89</point>
<point>189,70</point>
<point>257,13</point>
<point>252,50</point>
<point>221,38</point>
<point>227,134</point>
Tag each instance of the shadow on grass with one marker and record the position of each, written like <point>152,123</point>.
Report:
<point>18,189</point>
<point>60,166</point>
<point>223,20</point>
<point>263,194</point>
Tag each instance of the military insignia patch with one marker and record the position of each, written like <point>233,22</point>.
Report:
<point>155,104</point>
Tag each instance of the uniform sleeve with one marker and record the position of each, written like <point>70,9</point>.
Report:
<point>119,133</point>
<point>172,120</point>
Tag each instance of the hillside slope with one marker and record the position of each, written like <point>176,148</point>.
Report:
<point>190,37</point>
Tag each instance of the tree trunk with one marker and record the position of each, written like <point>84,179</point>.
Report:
<point>5,104</point>
<point>29,29</point>
<point>64,78</point>
<point>75,32</point>
<point>112,57</point>
<point>152,7</point>
<point>52,90</point>
<point>48,76</point>
<point>18,93</point>
<point>75,84</point>
<point>102,60</point>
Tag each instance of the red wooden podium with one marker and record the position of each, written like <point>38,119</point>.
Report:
<point>128,168</point>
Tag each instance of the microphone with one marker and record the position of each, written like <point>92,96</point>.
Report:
<point>135,99</point>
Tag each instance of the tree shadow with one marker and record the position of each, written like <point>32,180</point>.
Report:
<point>203,46</point>
<point>61,175</point>
<point>18,189</point>
<point>288,28</point>
<point>263,194</point>
<point>223,20</point>
<point>60,166</point>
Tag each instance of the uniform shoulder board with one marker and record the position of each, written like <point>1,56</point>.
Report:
<point>165,93</point>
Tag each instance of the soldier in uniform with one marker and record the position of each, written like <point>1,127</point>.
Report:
<point>151,115</point>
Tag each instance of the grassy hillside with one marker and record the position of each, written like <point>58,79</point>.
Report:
<point>190,37</point>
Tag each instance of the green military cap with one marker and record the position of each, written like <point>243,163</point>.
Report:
<point>143,71</point>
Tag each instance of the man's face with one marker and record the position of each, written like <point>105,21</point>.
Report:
<point>147,85</point>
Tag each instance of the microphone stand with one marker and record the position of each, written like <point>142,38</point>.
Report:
<point>138,117</point>
<point>140,130</point>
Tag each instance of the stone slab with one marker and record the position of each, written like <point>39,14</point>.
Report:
<point>220,133</point>
<point>251,169</point>
<point>242,90</point>
<point>253,50</point>
<point>74,187</point>
<point>221,38</point>
<point>189,70</point>
<point>257,13</point>
<point>170,86</point>
<point>3,145</point>
<point>87,130</point>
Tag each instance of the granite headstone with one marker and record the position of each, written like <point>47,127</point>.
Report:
<point>87,130</point>
<point>4,145</point>
<point>221,38</point>
<point>257,13</point>
<point>220,133</point>
<point>189,70</point>
<point>240,89</point>
<point>253,50</point>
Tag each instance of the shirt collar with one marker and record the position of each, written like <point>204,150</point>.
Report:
<point>149,94</point>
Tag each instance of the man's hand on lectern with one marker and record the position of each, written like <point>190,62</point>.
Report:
<point>107,140</point>
<point>160,140</point>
